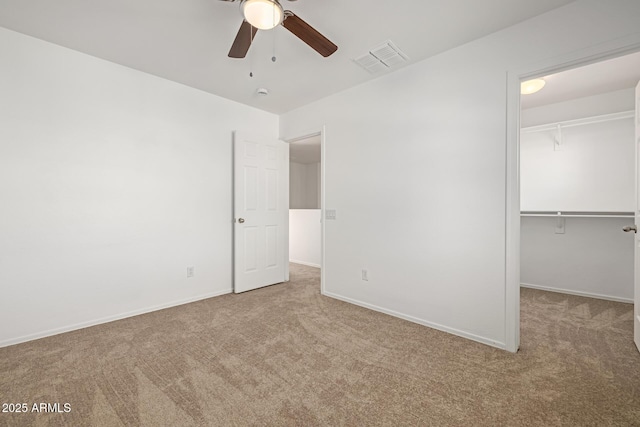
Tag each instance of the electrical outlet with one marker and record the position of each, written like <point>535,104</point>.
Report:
<point>190,271</point>
<point>365,275</point>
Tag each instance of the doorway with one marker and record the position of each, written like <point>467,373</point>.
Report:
<point>577,179</point>
<point>513,195</point>
<point>306,196</point>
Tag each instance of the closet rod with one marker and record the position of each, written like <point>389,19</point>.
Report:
<point>574,214</point>
<point>579,122</point>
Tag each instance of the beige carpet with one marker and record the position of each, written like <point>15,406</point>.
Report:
<point>285,355</point>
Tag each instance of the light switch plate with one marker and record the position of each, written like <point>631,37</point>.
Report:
<point>330,214</point>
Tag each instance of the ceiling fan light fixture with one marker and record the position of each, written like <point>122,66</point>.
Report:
<point>262,14</point>
<point>531,86</point>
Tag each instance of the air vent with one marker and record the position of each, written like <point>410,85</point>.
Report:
<point>370,63</point>
<point>381,58</point>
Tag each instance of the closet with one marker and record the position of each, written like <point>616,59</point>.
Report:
<point>577,193</point>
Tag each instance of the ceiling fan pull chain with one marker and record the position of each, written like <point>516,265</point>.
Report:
<point>273,57</point>
<point>250,54</point>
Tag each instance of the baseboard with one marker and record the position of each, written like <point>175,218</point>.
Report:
<point>577,293</point>
<point>108,319</point>
<point>422,322</point>
<point>308,264</point>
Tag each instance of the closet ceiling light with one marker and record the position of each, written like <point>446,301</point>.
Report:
<point>531,86</point>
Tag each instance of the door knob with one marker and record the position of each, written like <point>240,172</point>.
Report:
<point>630,228</point>
<point>241,221</point>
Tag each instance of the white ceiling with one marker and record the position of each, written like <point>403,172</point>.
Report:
<point>187,41</point>
<point>305,151</point>
<point>601,77</point>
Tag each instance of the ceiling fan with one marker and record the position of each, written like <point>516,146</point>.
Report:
<point>268,14</point>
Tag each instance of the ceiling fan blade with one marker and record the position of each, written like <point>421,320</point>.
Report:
<point>243,40</point>
<point>308,34</point>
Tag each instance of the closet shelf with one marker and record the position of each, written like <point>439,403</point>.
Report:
<point>579,122</point>
<point>575,214</point>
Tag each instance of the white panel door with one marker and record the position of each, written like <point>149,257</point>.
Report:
<point>636,309</point>
<point>261,212</point>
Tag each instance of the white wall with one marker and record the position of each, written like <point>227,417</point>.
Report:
<point>592,171</point>
<point>606,103</point>
<point>304,185</point>
<point>424,210</point>
<point>297,186</point>
<point>112,183</point>
<point>305,242</point>
<point>313,185</point>
<point>593,257</point>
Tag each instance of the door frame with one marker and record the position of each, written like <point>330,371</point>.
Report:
<point>593,54</point>
<point>305,135</point>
